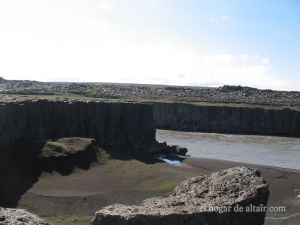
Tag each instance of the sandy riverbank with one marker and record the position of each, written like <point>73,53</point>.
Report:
<point>73,199</point>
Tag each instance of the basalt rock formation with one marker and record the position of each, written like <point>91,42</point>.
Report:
<point>228,197</point>
<point>227,119</point>
<point>19,217</point>
<point>28,125</point>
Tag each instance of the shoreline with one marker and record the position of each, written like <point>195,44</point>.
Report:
<point>187,162</point>
<point>273,151</point>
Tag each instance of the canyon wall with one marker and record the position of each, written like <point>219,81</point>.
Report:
<point>131,126</point>
<point>113,125</point>
<point>227,119</point>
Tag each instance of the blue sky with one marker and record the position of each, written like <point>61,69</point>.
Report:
<point>191,42</point>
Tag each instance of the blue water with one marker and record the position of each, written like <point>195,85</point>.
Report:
<point>264,150</point>
<point>169,161</point>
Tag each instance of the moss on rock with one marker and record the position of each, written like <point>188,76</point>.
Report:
<point>64,147</point>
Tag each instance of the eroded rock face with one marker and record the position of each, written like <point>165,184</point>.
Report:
<point>19,217</point>
<point>29,124</point>
<point>228,119</point>
<point>210,199</point>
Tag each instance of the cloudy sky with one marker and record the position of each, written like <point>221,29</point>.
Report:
<point>182,42</point>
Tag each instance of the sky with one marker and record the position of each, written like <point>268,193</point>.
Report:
<point>178,42</point>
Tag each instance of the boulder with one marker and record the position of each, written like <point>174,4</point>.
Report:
<point>64,154</point>
<point>19,217</point>
<point>228,197</point>
<point>172,149</point>
<point>178,150</point>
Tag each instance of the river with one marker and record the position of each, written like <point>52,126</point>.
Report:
<point>263,150</point>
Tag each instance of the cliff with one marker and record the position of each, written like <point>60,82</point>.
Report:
<point>225,197</point>
<point>227,119</point>
<point>28,125</point>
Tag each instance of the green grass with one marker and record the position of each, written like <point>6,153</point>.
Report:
<point>65,146</point>
<point>104,158</point>
<point>68,220</point>
<point>60,219</point>
<point>165,187</point>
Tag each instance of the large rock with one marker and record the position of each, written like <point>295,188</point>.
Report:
<point>210,199</point>
<point>64,154</point>
<point>19,217</point>
<point>172,149</point>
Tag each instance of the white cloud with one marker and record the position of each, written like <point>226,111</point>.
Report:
<point>213,19</point>
<point>105,5</point>
<point>75,46</point>
<point>218,58</point>
<point>220,19</point>
<point>244,56</point>
<point>265,61</point>
<point>225,18</point>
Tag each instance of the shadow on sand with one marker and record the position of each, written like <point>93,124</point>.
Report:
<point>19,171</point>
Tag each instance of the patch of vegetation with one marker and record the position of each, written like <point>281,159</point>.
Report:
<point>65,146</point>
<point>165,187</point>
<point>103,157</point>
<point>60,219</point>
<point>68,220</point>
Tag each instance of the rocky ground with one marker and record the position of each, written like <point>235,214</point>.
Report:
<point>225,94</point>
<point>19,217</point>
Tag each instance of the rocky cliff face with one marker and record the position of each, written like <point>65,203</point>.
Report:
<point>228,197</point>
<point>27,125</point>
<point>212,118</point>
